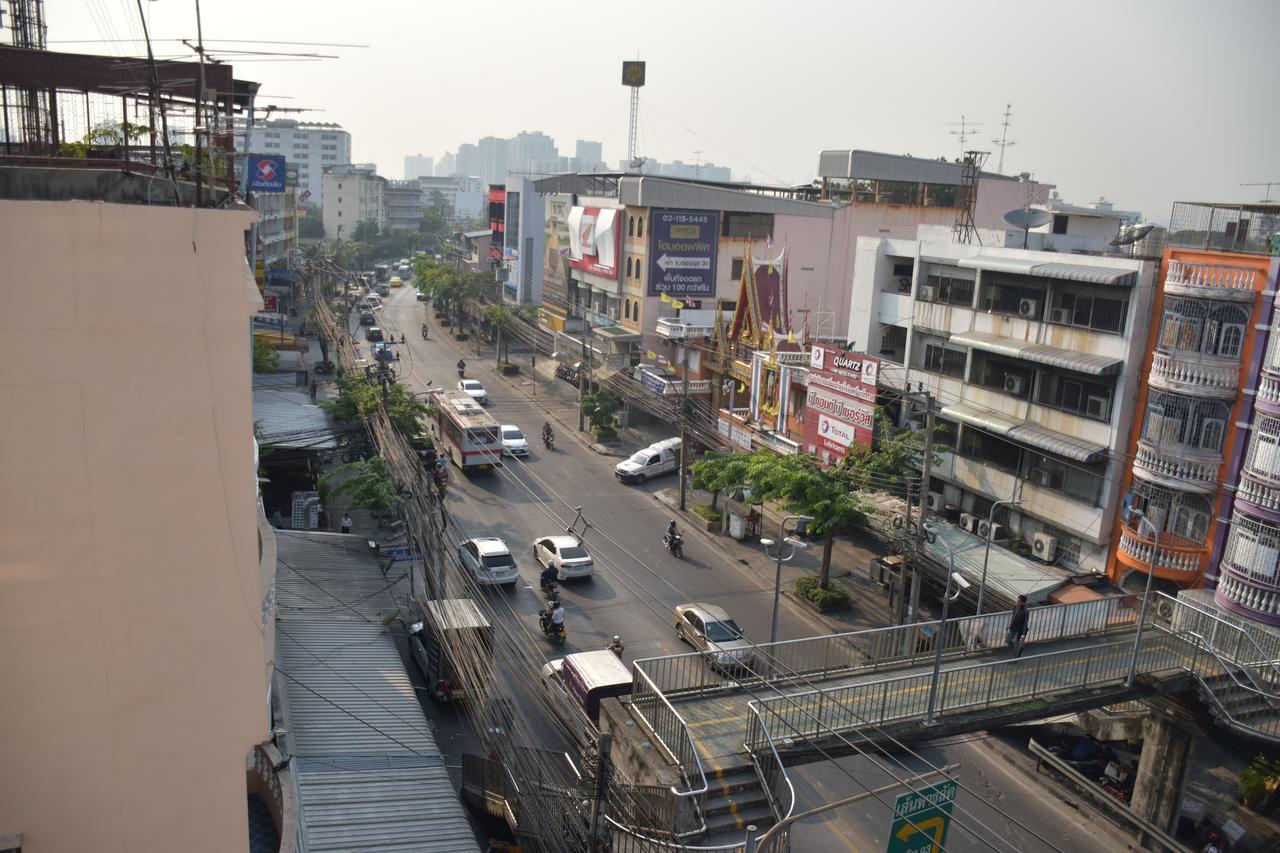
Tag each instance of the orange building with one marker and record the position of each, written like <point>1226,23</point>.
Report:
<point>1206,343</point>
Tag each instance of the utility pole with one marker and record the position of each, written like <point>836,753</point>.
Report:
<point>582,374</point>
<point>684,452</point>
<point>912,598</point>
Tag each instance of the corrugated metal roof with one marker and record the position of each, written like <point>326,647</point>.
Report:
<point>1008,573</point>
<point>649,191</point>
<point>291,419</point>
<point>1035,266</point>
<point>878,166</point>
<point>331,575</point>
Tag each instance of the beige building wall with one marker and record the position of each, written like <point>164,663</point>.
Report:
<point>131,614</point>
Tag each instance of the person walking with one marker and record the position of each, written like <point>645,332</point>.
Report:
<point>1017,626</point>
<point>346,522</point>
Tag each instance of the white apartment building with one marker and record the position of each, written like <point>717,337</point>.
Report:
<point>278,227</point>
<point>1033,359</point>
<point>464,196</point>
<point>311,146</point>
<point>352,194</point>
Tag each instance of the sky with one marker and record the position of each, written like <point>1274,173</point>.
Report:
<point>1142,101</point>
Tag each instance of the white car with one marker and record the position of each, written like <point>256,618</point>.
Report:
<point>489,560</point>
<point>711,631</point>
<point>566,554</point>
<point>474,390</point>
<point>513,441</point>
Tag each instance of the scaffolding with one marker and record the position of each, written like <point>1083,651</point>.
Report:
<point>967,195</point>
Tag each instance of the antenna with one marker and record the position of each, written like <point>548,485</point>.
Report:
<point>1027,218</point>
<point>633,72</point>
<point>1267,184</point>
<point>966,130</point>
<point>1004,141</point>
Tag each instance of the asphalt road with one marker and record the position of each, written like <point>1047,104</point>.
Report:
<point>638,582</point>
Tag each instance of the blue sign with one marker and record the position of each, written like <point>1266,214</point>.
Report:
<point>266,174</point>
<point>682,252</point>
<point>401,554</point>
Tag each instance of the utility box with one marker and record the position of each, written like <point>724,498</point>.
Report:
<point>736,513</point>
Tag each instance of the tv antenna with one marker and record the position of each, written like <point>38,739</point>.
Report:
<point>1004,141</point>
<point>1267,184</point>
<point>966,130</point>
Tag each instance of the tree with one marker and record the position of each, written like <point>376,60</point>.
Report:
<point>498,314</point>
<point>366,231</point>
<point>265,357</point>
<point>366,484</point>
<point>360,397</point>
<point>600,407</point>
<point>311,228</point>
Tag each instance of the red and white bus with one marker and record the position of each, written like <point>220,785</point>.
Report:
<point>465,431</point>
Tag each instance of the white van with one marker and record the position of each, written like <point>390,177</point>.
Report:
<point>661,457</point>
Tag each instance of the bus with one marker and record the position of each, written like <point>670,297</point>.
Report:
<point>381,271</point>
<point>465,431</point>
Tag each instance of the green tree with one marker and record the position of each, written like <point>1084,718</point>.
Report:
<point>366,484</point>
<point>498,315</point>
<point>600,407</point>
<point>366,231</point>
<point>360,397</point>
<point>265,357</point>
<point>311,227</point>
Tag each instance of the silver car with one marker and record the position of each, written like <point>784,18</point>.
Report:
<point>566,554</point>
<point>489,560</point>
<point>711,630</point>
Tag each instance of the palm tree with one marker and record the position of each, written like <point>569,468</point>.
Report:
<point>497,314</point>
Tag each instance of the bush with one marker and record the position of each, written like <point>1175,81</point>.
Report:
<point>604,432</point>
<point>706,512</point>
<point>265,357</point>
<point>824,599</point>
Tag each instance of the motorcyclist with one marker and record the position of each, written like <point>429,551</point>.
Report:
<point>671,533</point>
<point>557,617</point>
<point>424,330</point>
<point>549,576</point>
<point>462,367</point>
<point>616,646</point>
<point>547,434</point>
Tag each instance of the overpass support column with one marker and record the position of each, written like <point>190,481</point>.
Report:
<point>1162,770</point>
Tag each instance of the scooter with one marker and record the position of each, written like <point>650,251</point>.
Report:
<point>462,371</point>
<point>556,632</point>
<point>551,589</point>
<point>675,544</point>
<point>549,440</point>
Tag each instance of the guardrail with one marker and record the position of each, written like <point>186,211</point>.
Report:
<point>770,770</point>
<point>671,733</point>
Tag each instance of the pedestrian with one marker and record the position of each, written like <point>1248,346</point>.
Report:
<point>313,390</point>
<point>346,522</point>
<point>1017,626</point>
<point>442,463</point>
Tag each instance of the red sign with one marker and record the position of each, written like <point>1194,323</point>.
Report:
<point>593,240</point>
<point>840,402</point>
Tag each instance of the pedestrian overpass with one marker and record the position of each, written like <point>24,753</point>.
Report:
<point>731,735</point>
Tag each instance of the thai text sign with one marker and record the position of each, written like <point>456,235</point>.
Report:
<point>840,402</point>
<point>682,252</point>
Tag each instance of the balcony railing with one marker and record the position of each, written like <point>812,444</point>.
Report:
<point>1265,603</point>
<point>1172,467</point>
<point>800,358</point>
<point>1258,493</point>
<point>1269,389</point>
<point>673,328</point>
<point>1218,281</point>
<point>1177,561</point>
<point>1189,375</point>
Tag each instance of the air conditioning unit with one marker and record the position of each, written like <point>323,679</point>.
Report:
<point>1044,546</point>
<point>968,521</point>
<point>982,528</point>
<point>1013,383</point>
<point>929,293</point>
<point>935,501</point>
<point>1061,316</point>
<point>1028,308</point>
<point>998,532</point>
<point>1095,406</point>
<point>1041,477</point>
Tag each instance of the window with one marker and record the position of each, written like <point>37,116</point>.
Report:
<point>951,285</point>
<point>1076,393</point>
<point>339,198</point>
<point>1103,310</point>
<point>749,225</point>
<point>1060,223</point>
<point>1264,448</point>
<point>1006,375</point>
<point>989,449</point>
<point>628,268</point>
<point>941,359</point>
<point>1211,432</point>
<point>736,272</point>
<point>640,227</point>
<point>631,226</point>
<point>1020,296</point>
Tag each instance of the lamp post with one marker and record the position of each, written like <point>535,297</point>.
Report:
<point>940,639</point>
<point>777,580</point>
<point>986,556</point>
<point>1154,527</point>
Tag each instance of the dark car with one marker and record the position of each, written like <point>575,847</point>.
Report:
<point>367,318</point>
<point>374,334</point>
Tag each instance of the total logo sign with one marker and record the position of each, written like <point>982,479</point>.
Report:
<point>830,360</point>
<point>832,430</point>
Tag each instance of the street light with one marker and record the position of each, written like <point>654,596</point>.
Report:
<point>940,639</point>
<point>795,544</point>
<point>986,557</point>
<point>1154,527</point>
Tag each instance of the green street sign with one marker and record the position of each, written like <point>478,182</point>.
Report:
<point>921,819</point>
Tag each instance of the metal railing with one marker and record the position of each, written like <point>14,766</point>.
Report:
<point>770,770</point>
<point>1227,637</point>
<point>1189,374</point>
<point>671,733</point>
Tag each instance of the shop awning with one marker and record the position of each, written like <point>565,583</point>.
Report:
<point>1094,365</point>
<point>1069,272</point>
<point>1038,437</point>
<point>616,333</point>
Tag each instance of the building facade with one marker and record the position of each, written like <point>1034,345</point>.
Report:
<point>418,166</point>
<point>463,197</point>
<point>1204,470</point>
<point>404,205</point>
<point>278,225</point>
<point>311,146</point>
<point>353,194</point>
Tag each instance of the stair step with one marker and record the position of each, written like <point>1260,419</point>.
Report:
<point>732,779</point>
<point>740,802</point>
<point>761,816</point>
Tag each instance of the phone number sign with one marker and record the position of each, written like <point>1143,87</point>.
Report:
<point>682,252</point>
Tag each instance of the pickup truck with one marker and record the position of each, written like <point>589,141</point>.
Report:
<point>661,457</point>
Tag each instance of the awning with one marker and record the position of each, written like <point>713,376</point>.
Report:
<point>616,333</point>
<point>1070,272</point>
<point>1038,437</point>
<point>1094,365</point>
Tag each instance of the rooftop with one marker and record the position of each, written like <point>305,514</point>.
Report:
<point>1229,226</point>
<point>858,164</point>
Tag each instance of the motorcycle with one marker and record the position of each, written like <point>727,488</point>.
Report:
<point>675,544</point>
<point>462,370</point>
<point>551,629</point>
<point>424,331</point>
<point>549,440</point>
<point>550,587</point>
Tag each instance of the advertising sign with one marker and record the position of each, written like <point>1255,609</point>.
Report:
<point>682,252</point>
<point>921,819</point>
<point>840,402</point>
<point>593,240</point>
<point>266,173</point>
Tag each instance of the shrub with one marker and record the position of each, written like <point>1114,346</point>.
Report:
<point>824,599</point>
<point>706,512</point>
<point>604,432</point>
<point>265,357</point>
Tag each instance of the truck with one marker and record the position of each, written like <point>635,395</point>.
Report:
<point>661,457</point>
<point>579,682</point>
<point>382,271</point>
<point>449,626</point>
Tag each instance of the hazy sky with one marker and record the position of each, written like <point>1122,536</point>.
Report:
<point>1143,102</point>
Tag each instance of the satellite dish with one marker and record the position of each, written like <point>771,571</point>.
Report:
<point>1027,218</point>
<point>1131,234</point>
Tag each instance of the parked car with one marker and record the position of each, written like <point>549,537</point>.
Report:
<point>474,390</point>
<point>710,630</point>
<point>367,318</point>
<point>421,297</point>
<point>374,334</point>
<point>661,457</point>
<point>513,441</point>
<point>489,560</point>
<point>566,554</point>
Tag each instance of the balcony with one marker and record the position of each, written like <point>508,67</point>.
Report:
<point>1258,493</point>
<point>674,329</point>
<point>1269,390</point>
<point>1213,281</point>
<point>1245,598</point>
<point>1178,467</point>
<point>1180,560</point>
<point>1199,377</point>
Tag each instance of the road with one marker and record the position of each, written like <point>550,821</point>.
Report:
<point>638,583</point>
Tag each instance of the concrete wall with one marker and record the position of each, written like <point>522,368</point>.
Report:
<point>131,612</point>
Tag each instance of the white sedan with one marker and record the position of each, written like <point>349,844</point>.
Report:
<point>513,441</point>
<point>565,554</point>
<point>474,390</point>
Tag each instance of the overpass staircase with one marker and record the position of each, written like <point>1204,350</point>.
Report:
<point>732,734</point>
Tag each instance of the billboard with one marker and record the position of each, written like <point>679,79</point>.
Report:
<point>593,240</point>
<point>840,402</point>
<point>682,252</point>
<point>266,173</point>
